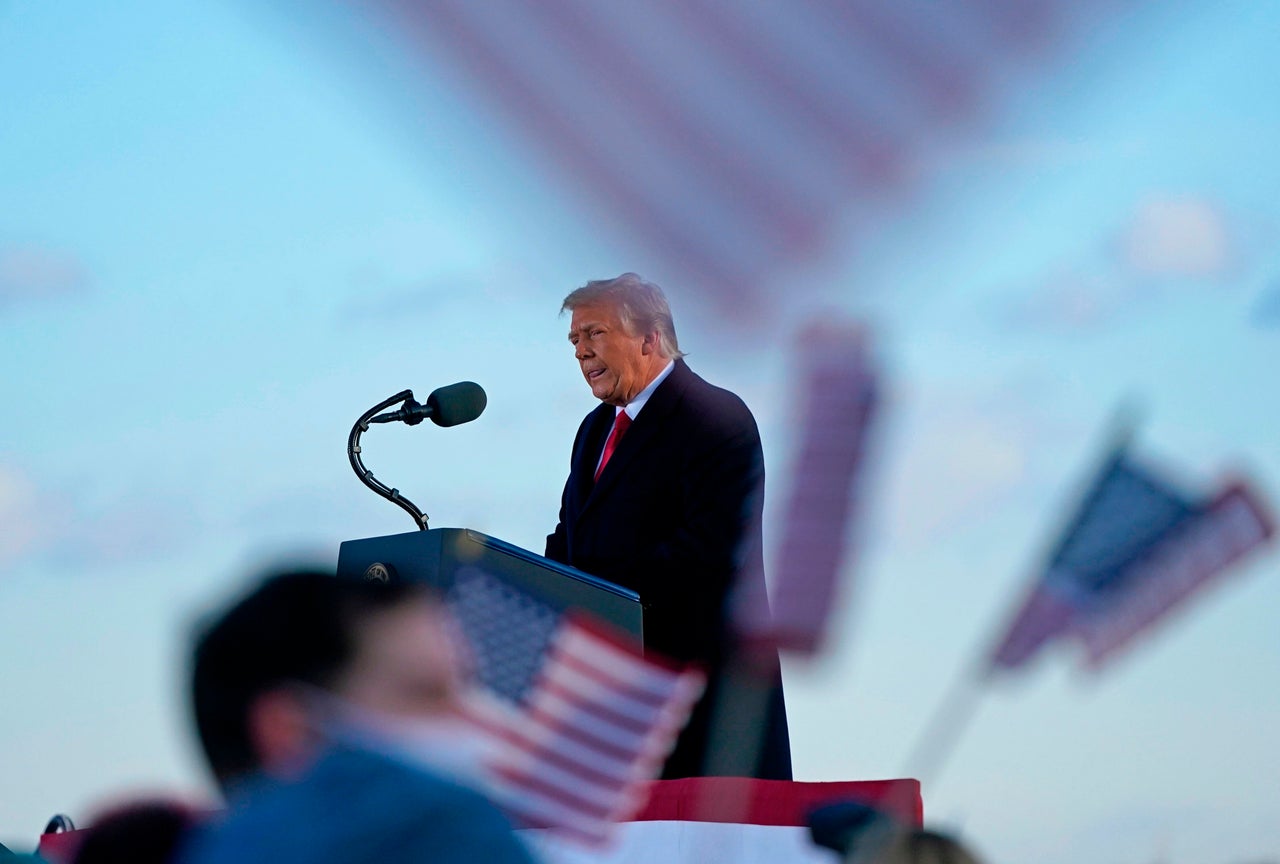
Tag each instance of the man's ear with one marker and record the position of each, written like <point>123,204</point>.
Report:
<point>281,732</point>
<point>650,343</point>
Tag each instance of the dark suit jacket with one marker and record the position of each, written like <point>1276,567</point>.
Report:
<point>676,517</point>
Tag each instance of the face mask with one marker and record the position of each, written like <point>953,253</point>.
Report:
<point>445,745</point>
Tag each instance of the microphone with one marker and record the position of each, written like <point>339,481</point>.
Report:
<point>446,406</point>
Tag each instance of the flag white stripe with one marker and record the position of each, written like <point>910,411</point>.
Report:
<point>590,690</point>
<point>566,749</point>
<point>618,663</point>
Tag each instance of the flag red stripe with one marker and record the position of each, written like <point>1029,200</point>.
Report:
<point>603,800</point>
<point>1198,555</point>
<point>597,709</point>
<point>944,81</point>
<point>582,737</point>
<point>622,677</point>
<point>853,138</point>
<point>541,787</point>
<point>645,212</point>
<point>575,685</point>
<point>595,766</point>
<point>613,61</point>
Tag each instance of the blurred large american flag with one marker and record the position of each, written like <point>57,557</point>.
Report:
<point>727,141</point>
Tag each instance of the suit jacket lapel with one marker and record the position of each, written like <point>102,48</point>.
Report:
<point>660,404</point>
<point>589,454</point>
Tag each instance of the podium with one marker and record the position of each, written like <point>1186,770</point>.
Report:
<point>437,556</point>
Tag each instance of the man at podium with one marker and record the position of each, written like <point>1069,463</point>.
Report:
<point>664,496</point>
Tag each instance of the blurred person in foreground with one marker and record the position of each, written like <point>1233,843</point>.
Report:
<point>862,834</point>
<point>924,846</point>
<point>664,496</point>
<point>146,831</point>
<point>327,710</point>
<point>914,846</point>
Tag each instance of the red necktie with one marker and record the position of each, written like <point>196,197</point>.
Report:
<point>620,424</point>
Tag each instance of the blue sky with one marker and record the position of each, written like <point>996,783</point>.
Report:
<point>224,234</point>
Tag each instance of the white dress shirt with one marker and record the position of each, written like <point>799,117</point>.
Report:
<point>633,407</point>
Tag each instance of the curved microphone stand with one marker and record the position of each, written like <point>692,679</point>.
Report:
<point>366,476</point>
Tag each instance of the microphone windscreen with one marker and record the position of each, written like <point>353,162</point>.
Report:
<point>457,403</point>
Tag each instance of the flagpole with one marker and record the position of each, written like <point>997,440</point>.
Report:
<point>953,715</point>
<point>937,742</point>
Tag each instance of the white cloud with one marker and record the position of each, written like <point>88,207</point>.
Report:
<point>1166,241</point>
<point>62,531</point>
<point>1178,237</point>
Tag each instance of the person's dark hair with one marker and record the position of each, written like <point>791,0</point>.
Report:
<point>641,305</point>
<point>295,627</point>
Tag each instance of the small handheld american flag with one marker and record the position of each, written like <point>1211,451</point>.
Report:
<point>1137,548</point>
<point>578,719</point>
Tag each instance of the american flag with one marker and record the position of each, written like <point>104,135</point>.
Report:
<point>725,141</point>
<point>1191,558</point>
<point>1136,548</point>
<point>578,719</point>
<point>1125,511</point>
<point>837,404</point>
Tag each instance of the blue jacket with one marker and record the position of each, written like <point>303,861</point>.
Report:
<point>356,806</point>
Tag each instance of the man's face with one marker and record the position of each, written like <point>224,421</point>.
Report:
<point>407,662</point>
<point>616,364</point>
